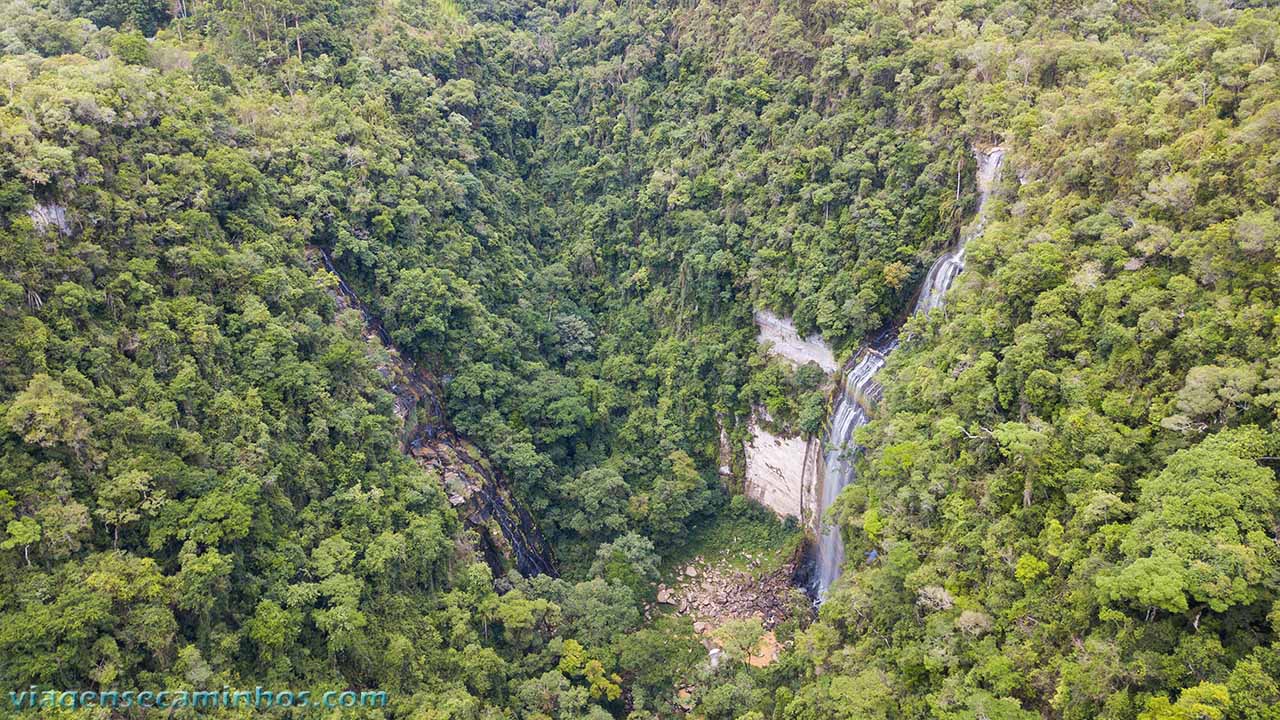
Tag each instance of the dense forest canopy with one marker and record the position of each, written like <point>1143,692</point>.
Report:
<point>566,212</point>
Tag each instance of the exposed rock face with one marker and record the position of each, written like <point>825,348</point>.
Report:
<point>47,216</point>
<point>786,342</point>
<point>508,536</point>
<point>781,470</point>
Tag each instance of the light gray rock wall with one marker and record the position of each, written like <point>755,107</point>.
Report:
<point>782,470</point>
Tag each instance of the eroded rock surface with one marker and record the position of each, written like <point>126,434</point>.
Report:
<point>508,536</point>
<point>780,470</point>
<point>50,216</point>
<point>781,334</point>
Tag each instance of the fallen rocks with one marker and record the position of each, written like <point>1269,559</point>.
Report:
<point>713,593</point>
<point>716,594</point>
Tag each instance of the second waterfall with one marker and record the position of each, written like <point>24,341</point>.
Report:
<point>860,389</point>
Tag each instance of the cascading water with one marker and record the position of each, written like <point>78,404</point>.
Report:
<point>853,405</point>
<point>851,412</point>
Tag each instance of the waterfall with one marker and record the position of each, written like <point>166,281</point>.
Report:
<point>850,413</point>
<point>853,405</point>
<point>945,269</point>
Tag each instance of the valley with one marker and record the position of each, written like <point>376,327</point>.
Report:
<point>742,360</point>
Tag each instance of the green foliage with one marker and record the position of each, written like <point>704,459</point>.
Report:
<point>564,214</point>
<point>144,15</point>
<point>1206,701</point>
<point>629,560</point>
<point>1200,533</point>
<point>597,502</point>
<point>739,638</point>
<point>130,47</point>
<point>47,414</point>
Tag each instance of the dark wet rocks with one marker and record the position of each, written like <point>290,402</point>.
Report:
<point>508,537</point>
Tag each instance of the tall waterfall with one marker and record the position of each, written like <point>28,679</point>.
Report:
<point>853,406</point>
<point>851,412</point>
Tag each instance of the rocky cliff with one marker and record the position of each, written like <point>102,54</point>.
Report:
<point>506,534</point>
<point>782,469</point>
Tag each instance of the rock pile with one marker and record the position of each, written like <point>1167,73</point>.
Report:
<point>713,594</point>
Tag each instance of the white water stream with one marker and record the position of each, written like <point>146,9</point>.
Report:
<point>861,391</point>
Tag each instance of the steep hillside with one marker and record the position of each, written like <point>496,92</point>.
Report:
<point>564,218</point>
